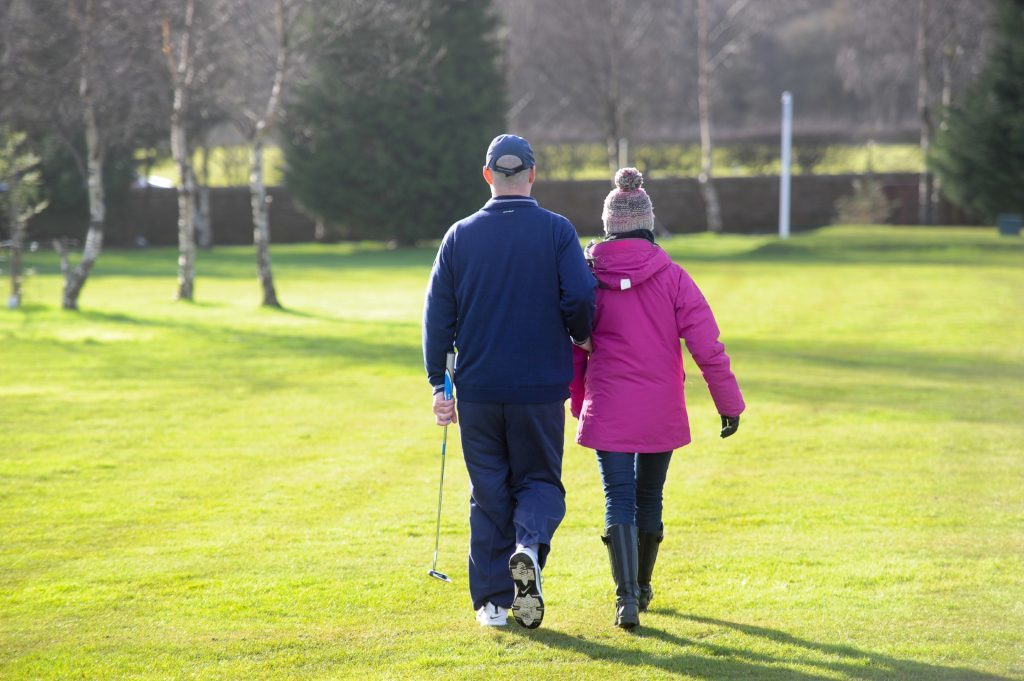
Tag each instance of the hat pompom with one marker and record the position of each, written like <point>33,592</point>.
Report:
<point>628,179</point>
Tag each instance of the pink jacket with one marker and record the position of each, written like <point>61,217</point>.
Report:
<point>628,395</point>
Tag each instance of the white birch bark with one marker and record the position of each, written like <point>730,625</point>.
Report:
<point>257,188</point>
<point>204,228</point>
<point>707,186</point>
<point>261,224</point>
<point>182,68</point>
<point>75,278</point>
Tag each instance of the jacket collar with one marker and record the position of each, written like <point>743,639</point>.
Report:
<point>510,201</point>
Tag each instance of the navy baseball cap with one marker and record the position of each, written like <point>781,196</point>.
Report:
<point>503,146</point>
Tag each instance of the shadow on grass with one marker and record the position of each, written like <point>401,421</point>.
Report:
<point>866,377</point>
<point>892,245</point>
<point>240,262</point>
<point>356,342</point>
<point>850,377</point>
<point>897,246</point>
<point>807,659</point>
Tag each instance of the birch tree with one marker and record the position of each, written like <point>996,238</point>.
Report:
<point>263,65</point>
<point>76,72</point>
<point>194,39</point>
<point>85,17</point>
<point>111,91</point>
<point>179,51</point>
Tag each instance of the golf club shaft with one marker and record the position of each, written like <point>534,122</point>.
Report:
<point>440,492</point>
<point>449,393</point>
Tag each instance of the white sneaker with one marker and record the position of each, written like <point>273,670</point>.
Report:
<point>492,616</point>
<point>528,604</point>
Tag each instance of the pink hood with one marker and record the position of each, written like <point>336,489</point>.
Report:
<point>631,263</point>
<point>628,394</point>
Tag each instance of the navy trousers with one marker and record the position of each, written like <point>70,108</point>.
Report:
<point>513,454</point>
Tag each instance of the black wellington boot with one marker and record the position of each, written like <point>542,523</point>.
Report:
<point>647,552</point>
<point>622,553</point>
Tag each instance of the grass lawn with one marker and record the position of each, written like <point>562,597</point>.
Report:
<point>229,165</point>
<point>219,491</point>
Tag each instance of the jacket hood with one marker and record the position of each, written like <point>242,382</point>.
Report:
<point>625,263</point>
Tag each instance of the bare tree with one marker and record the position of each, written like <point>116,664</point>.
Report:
<point>601,66</point>
<point>712,209</point>
<point>85,16</point>
<point>923,113</point>
<point>72,72</point>
<point>194,38</point>
<point>204,226</point>
<point>181,64</point>
<point>725,29</point>
<point>898,52</point>
<point>263,64</point>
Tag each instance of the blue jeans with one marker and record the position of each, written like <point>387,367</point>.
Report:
<point>632,488</point>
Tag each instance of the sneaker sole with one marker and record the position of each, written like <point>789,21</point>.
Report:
<point>528,604</point>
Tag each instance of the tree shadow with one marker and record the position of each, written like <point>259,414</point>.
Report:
<point>852,661</point>
<point>696,657</point>
<point>240,262</point>
<point>862,377</point>
<point>897,246</point>
<point>349,341</point>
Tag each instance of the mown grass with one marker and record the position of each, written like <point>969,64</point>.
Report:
<point>219,491</point>
<point>229,165</point>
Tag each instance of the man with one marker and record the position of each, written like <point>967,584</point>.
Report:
<point>511,290</point>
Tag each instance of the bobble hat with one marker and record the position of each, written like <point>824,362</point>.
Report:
<point>627,207</point>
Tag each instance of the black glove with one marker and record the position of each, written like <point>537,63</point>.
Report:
<point>729,425</point>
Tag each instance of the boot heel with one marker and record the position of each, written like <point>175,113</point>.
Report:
<point>648,544</point>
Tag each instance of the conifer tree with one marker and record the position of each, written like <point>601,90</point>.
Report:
<point>387,138</point>
<point>980,156</point>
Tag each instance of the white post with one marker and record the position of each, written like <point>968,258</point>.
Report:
<point>623,152</point>
<point>784,176</point>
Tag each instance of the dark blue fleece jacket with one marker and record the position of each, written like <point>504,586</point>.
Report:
<point>508,288</point>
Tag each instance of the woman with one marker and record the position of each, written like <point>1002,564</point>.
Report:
<point>628,394</point>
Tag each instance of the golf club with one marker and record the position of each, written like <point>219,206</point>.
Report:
<point>448,393</point>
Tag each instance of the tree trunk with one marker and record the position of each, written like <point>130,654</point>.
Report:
<point>61,246</point>
<point>75,279</point>
<point>261,130</point>
<point>707,185</point>
<point>204,229</point>
<point>17,240</point>
<point>948,56</point>
<point>320,230</point>
<point>612,150</point>
<point>186,199</point>
<point>182,71</point>
<point>261,223</point>
<point>924,115</point>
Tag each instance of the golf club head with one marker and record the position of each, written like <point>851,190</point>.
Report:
<point>439,575</point>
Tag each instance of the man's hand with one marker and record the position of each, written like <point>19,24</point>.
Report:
<point>729,425</point>
<point>444,410</point>
<point>587,346</point>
